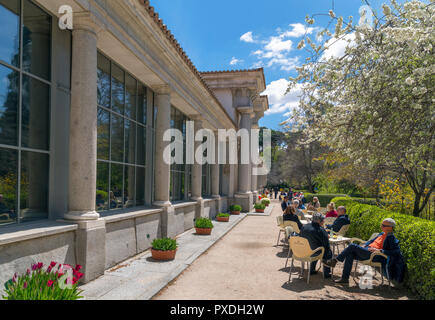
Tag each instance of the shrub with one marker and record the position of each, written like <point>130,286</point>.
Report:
<point>416,236</point>
<point>236,208</point>
<point>223,215</point>
<point>50,284</point>
<point>166,244</point>
<point>265,201</point>
<point>324,199</point>
<point>204,223</point>
<point>259,206</point>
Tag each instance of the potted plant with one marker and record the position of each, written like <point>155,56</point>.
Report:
<point>203,226</point>
<point>59,283</point>
<point>164,249</point>
<point>235,209</point>
<point>266,202</point>
<point>259,208</point>
<point>223,217</point>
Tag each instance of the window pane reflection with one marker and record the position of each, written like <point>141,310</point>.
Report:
<point>103,86</point>
<point>9,88</point>
<point>102,202</point>
<point>10,32</point>
<point>36,41</point>
<point>129,187</point>
<point>8,186</point>
<point>116,193</point>
<point>34,186</point>
<point>130,97</point>
<point>103,132</point>
<point>140,186</point>
<point>117,138</point>
<point>130,142</point>
<point>142,105</point>
<point>117,89</point>
<point>35,114</point>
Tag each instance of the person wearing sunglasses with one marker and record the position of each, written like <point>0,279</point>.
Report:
<point>385,242</point>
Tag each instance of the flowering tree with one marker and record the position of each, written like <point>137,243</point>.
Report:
<point>375,103</point>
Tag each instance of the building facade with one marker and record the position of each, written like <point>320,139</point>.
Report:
<point>83,113</point>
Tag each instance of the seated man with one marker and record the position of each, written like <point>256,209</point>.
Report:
<point>385,243</point>
<point>315,205</point>
<point>317,237</point>
<point>284,204</point>
<point>342,220</point>
<point>289,215</point>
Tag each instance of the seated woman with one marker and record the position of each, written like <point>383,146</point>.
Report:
<point>298,211</point>
<point>301,204</point>
<point>386,243</point>
<point>332,212</point>
<point>315,205</point>
<point>290,215</point>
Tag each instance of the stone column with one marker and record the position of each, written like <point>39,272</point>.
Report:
<point>254,177</point>
<point>91,233</point>
<point>215,170</point>
<point>162,169</point>
<point>244,195</point>
<point>83,123</point>
<point>197,172</point>
<point>215,176</point>
<point>163,123</point>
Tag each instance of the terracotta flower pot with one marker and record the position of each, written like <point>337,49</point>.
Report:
<point>203,231</point>
<point>163,255</point>
<point>235,213</point>
<point>259,210</point>
<point>223,219</point>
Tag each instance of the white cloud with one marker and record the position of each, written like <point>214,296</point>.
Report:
<point>277,50</point>
<point>298,30</point>
<point>279,101</point>
<point>276,45</point>
<point>337,47</point>
<point>247,37</point>
<point>234,61</point>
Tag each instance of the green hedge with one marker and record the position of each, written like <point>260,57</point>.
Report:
<point>416,236</point>
<point>324,199</point>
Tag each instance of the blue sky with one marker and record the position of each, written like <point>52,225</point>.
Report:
<point>245,34</point>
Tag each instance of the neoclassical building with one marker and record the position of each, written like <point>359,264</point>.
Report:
<point>82,117</point>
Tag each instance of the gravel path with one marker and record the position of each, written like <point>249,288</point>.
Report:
<point>246,265</point>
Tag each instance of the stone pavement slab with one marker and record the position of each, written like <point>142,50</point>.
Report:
<point>140,278</point>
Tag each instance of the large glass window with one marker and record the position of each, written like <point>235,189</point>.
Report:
<point>180,173</point>
<point>25,55</point>
<point>122,136</point>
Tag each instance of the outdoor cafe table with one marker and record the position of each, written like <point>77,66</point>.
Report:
<point>338,241</point>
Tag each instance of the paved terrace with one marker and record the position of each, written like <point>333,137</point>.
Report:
<point>238,262</point>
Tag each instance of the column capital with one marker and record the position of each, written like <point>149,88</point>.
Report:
<point>88,22</point>
<point>245,110</point>
<point>163,89</point>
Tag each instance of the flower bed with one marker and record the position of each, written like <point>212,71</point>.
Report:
<point>45,284</point>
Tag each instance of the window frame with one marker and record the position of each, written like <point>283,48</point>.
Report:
<point>50,112</point>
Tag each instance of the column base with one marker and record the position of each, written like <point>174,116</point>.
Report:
<point>91,248</point>
<point>82,216</point>
<point>162,204</point>
<point>245,200</point>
